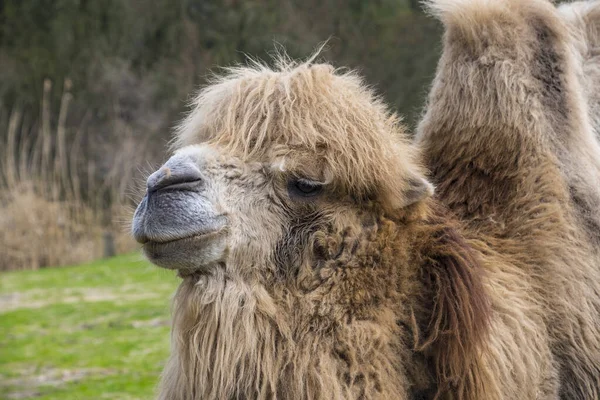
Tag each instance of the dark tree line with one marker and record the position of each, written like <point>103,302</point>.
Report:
<point>133,63</point>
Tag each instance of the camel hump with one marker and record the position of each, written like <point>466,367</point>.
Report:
<point>472,16</point>
<point>505,62</point>
<point>489,32</point>
<point>504,102</point>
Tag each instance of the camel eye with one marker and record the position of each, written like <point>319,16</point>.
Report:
<point>298,187</point>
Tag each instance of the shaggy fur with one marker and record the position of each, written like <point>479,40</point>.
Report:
<point>265,114</point>
<point>517,160</point>
<point>376,289</point>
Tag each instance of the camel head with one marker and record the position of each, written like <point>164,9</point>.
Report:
<point>265,161</point>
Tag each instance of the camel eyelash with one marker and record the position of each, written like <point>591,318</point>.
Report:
<point>302,188</point>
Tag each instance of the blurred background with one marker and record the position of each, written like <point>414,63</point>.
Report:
<point>89,92</point>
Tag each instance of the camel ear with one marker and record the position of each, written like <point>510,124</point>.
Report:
<point>408,192</point>
<point>418,189</point>
<point>459,309</point>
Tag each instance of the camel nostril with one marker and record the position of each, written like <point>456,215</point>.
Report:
<point>182,176</point>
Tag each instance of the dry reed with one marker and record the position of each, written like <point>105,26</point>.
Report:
<point>54,210</point>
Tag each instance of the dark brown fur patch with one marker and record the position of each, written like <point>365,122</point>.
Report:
<point>460,309</point>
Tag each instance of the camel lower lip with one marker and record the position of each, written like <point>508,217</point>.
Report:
<point>182,240</point>
<point>186,253</point>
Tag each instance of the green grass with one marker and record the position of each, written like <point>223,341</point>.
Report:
<point>97,331</point>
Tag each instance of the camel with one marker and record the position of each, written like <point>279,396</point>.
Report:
<point>323,254</point>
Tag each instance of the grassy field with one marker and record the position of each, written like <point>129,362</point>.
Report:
<point>97,331</point>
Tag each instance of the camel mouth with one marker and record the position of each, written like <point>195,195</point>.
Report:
<point>186,239</point>
<point>186,253</point>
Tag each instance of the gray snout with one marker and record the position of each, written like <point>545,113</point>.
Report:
<point>176,173</point>
<point>177,205</point>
